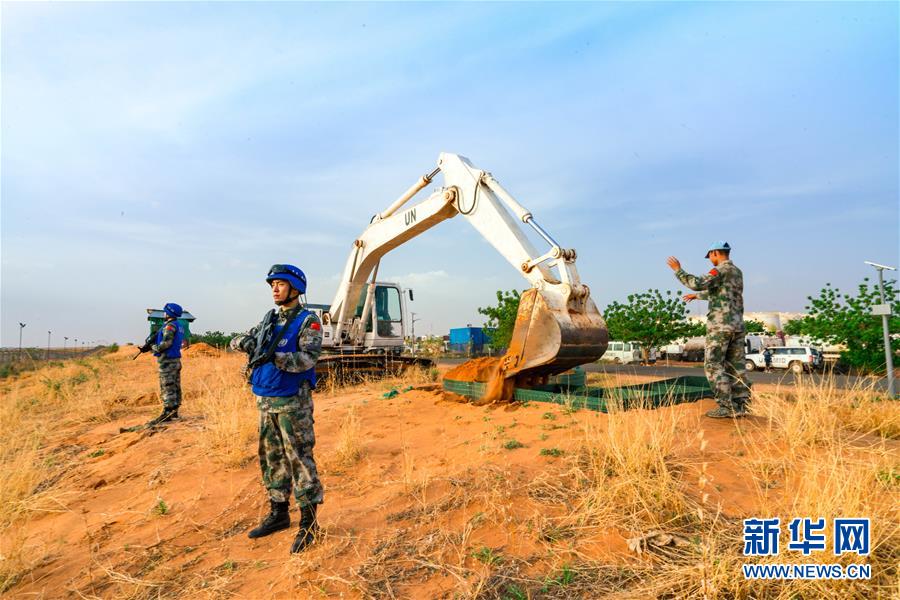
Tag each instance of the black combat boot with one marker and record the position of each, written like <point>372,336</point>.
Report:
<point>279,518</point>
<point>168,414</point>
<point>309,527</point>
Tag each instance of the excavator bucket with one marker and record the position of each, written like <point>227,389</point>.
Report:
<point>547,340</point>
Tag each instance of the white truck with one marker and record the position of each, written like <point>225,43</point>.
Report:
<point>694,349</point>
<point>796,358</point>
<point>622,353</point>
<point>756,342</point>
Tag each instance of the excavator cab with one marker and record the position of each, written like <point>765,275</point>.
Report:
<point>384,325</point>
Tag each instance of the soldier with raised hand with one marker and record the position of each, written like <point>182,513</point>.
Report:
<point>167,350</point>
<point>283,350</point>
<point>723,287</point>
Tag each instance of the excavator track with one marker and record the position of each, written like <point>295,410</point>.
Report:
<point>346,368</point>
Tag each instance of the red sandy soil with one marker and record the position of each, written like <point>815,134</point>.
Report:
<point>421,456</point>
<point>477,369</point>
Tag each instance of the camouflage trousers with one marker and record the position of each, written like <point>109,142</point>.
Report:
<point>170,382</point>
<point>725,370</point>
<point>286,441</point>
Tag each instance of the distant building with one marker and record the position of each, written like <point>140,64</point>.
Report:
<point>773,320</point>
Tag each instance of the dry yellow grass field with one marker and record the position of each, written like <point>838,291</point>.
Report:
<point>427,498</point>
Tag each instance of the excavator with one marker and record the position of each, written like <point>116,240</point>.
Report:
<point>557,326</point>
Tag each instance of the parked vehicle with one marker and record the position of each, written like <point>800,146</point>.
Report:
<point>694,349</point>
<point>672,351</point>
<point>796,358</point>
<point>756,342</point>
<point>623,353</point>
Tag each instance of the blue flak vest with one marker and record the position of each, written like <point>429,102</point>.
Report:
<point>174,351</point>
<point>268,380</point>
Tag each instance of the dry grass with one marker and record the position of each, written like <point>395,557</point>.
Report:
<point>228,408</point>
<point>630,478</point>
<point>349,446</point>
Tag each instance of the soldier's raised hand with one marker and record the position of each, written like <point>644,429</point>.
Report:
<point>673,263</point>
<point>689,297</point>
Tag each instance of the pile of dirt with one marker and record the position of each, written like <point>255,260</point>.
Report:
<point>477,369</point>
<point>202,349</point>
<point>483,370</point>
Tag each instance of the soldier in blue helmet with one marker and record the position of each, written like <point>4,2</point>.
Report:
<point>283,350</point>
<point>167,349</point>
<point>723,288</point>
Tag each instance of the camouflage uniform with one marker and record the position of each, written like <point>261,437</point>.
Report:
<point>723,287</point>
<point>286,433</point>
<point>169,370</point>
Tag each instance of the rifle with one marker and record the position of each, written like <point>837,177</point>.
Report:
<point>148,343</point>
<point>263,352</point>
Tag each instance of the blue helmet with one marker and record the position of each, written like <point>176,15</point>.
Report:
<point>173,310</point>
<point>289,273</point>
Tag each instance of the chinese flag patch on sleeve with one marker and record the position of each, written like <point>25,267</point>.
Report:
<point>315,326</point>
<point>713,272</point>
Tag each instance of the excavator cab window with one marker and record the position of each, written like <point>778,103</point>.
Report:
<point>387,311</point>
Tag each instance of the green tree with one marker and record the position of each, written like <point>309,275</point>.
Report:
<point>754,326</point>
<point>213,338</point>
<point>795,326</point>
<point>694,329</point>
<point>838,318</point>
<point>651,318</point>
<point>502,317</point>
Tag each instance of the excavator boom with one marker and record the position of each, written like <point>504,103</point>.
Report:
<point>557,327</point>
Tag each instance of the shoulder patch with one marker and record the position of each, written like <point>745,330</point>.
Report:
<point>713,272</point>
<point>315,326</point>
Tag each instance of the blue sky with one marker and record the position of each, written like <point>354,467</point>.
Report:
<point>156,152</point>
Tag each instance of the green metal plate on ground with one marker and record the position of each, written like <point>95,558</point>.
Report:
<point>654,394</point>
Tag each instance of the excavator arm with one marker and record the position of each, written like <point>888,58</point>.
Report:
<point>558,325</point>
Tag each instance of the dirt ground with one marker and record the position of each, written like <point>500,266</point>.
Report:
<point>424,498</point>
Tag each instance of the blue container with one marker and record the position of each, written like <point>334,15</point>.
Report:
<point>470,335</point>
<point>469,340</point>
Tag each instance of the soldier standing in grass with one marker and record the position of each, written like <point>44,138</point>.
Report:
<point>167,349</point>
<point>283,350</point>
<point>723,287</point>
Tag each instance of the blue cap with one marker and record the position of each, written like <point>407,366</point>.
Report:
<point>718,246</point>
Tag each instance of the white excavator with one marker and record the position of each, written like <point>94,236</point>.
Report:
<point>557,327</point>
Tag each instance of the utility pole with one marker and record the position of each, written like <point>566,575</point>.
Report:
<point>884,309</point>
<point>48,344</point>
<point>413,321</point>
<point>21,327</point>
<point>65,339</point>
<point>75,348</point>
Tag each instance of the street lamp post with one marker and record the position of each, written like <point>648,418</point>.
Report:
<point>413,321</point>
<point>75,347</point>
<point>65,340</point>
<point>21,327</point>
<point>884,309</point>
<point>48,344</point>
